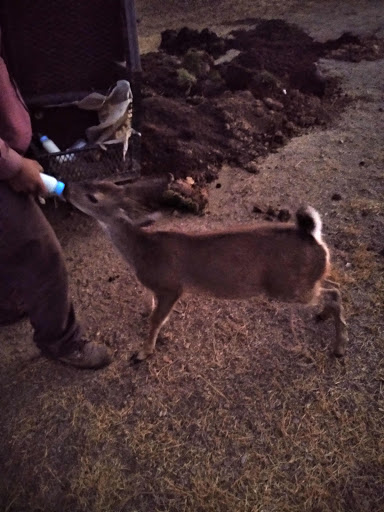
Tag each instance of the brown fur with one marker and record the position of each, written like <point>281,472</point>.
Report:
<point>281,261</point>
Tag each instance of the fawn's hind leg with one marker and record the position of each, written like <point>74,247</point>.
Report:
<point>333,307</point>
<point>165,302</point>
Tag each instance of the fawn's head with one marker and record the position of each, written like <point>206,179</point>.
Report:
<point>106,202</point>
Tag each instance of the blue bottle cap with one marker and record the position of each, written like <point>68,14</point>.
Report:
<point>60,186</point>
<point>43,138</point>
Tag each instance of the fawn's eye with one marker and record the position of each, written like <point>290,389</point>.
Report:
<point>92,198</point>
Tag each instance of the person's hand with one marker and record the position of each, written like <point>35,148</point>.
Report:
<point>28,179</point>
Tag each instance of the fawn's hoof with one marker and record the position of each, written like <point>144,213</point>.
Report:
<point>134,359</point>
<point>138,357</point>
<point>339,353</point>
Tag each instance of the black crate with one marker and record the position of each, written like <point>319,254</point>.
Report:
<point>61,51</point>
<point>92,162</point>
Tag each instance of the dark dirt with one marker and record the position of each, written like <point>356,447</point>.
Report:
<point>199,113</point>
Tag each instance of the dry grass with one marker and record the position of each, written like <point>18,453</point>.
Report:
<point>257,427</point>
<point>244,413</point>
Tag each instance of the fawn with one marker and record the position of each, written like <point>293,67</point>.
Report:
<point>289,262</point>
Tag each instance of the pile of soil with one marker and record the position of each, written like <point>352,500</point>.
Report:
<point>209,100</point>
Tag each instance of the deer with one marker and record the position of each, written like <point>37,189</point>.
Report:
<point>289,262</point>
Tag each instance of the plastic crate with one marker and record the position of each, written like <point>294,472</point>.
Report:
<point>93,162</point>
<point>60,52</point>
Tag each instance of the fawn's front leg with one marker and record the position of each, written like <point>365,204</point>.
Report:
<point>165,302</point>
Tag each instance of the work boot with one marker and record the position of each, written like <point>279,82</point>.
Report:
<point>91,356</point>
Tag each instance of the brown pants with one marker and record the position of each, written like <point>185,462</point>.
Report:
<point>32,265</point>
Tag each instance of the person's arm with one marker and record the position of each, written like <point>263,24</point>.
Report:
<point>10,161</point>
<point>22,174</point>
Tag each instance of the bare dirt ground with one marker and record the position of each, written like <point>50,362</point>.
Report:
<point>241,408</point>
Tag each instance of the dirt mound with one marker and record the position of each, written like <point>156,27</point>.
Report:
<point>179,42</point>
<point>209,100</point>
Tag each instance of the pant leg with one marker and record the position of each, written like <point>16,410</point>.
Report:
<point>31,263</point>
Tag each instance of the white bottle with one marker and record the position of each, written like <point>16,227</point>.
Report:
<point>79,144</point>
<point>49,145</point>
<point>52,184</point>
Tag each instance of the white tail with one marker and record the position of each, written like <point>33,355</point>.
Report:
<point>289,262</point>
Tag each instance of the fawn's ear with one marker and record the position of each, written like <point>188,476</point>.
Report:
<point>148,220</point>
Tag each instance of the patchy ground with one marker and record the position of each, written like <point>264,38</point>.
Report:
<point>241,408</point>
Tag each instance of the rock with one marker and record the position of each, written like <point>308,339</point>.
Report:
<point>290,127</point>
<point>273,104</point>
<point>259,104</point>
<point>195,100</point>
<point>252,168</point>
<point>336,197</point>
<point>271,212</point>
<point>244,459</point>
<point>257,209</point>
<point>279,137</point>
<point>284,215</point>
